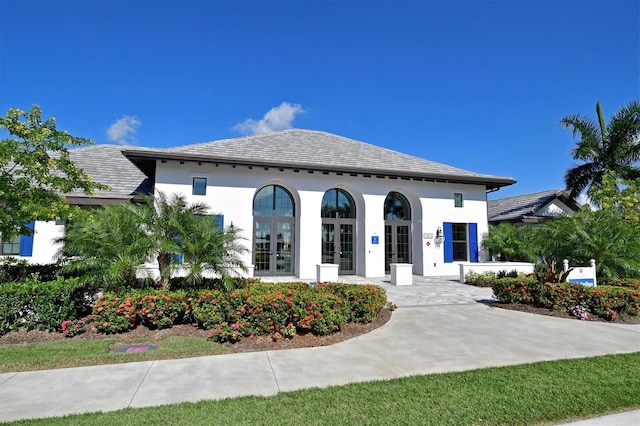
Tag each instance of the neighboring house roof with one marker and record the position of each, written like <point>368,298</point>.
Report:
<point>107,165</point>
<point>531,207</point>
<point>315,151</point>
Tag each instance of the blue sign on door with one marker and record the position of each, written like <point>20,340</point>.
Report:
<point>374,239</point>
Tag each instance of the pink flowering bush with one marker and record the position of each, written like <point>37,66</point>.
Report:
<point>226,332</point>
<point>580,312</point>
<point>72,328</point>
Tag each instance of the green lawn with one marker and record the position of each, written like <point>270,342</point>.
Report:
<point>540,393</point>
<point>83,352</point>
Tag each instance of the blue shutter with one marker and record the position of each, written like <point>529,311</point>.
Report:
<point>447,228</point>
<point>220,219</point>
<point>178,258</point>
<point>473,242</point>
<point>26,241</point>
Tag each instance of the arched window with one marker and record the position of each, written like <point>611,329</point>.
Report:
<point>273,200</point>
<point>396,207</point>
<point>273,231</point>
<point>397,230</point>
<point>338,204</point>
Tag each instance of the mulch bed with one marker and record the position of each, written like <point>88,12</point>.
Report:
<point>247,344</point>
<point>562,314</point>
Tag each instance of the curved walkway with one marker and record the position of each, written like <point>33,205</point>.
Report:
<point>440,326</point>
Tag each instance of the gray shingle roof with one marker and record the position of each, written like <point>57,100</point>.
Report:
<point>107,165</point>
<point>315,150</point>
<point>519,206</point>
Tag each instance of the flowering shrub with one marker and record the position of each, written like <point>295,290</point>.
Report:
<point>289,331</point>
<point>226,332</point>
<point>363,301</point>
<point>267,311</point>
<point>319,311</point>
<point>391,306</point>
<point>72,328</point>
<point>211,309</point>
<point>517,290</point>
<point>163,310</point>
<point>580,312</point>
<point>606,313</point>
<point>114,314</point>
<point>607,302</point>
<point>624,283</point>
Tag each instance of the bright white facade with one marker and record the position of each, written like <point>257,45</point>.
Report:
<point>231,191</point>
<point>303,198</point>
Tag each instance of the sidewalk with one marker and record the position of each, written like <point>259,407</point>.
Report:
<point>449,331</point>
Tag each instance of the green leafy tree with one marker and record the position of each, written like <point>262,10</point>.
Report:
<point>108,245</point>
<point>510,242</point>
<point>36,172</point>
<point>603,148</point>
<point>620,196</point>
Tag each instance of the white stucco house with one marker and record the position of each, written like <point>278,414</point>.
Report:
<point>303,198</point>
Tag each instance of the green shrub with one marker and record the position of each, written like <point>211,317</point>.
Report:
<point>318,311</point>
<point>480,279</point>
<point>43,305</point>
<point>604,301</point>
<point>364,302</point>
<point>115,314</point>
<point>517,290</point>
<point>163,310</point>
<point>267,310</point>
<point>14,270</point>
<point>212,308</point>
<point>631,283</point>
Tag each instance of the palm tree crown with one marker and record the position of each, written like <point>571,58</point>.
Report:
<point>603,148</point>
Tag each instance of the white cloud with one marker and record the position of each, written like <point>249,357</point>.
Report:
<point>124,131</point>
<point>277,118</point>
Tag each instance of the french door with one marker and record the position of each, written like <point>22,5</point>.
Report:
<point>338,244</point>
<point>273,247</point>
<point>397,246</point>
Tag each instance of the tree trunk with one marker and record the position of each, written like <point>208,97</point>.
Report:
<point>164,265</point>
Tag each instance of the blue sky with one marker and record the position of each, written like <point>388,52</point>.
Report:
<point>479,85</point>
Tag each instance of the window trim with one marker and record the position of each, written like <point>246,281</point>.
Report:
<point>193,185</point>
<point>458,200</point>
<point>14,243</point>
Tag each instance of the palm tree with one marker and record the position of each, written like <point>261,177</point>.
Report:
<point>168,220</point>
<point>510,242</point>
<point>603,148</point>
<point>108,245</point>
<point>211,249</point>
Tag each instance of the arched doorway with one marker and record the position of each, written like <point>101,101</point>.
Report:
<point>397,230</point>
<point>338,230</point>
<point>273,231</point>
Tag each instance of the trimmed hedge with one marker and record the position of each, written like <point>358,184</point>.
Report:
<point>259,309</point>
<point>18,270</point>
<point>602,301</point>
<point>43,305</point>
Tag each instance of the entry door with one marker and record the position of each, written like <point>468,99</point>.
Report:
<point>273,247</point>
<point>397,246</point>
<point>339,249</point>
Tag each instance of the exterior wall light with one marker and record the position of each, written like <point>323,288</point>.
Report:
<point>439,239</point>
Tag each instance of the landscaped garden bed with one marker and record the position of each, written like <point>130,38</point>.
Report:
<point>611,301</point>
<point>255,317</point>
